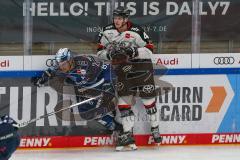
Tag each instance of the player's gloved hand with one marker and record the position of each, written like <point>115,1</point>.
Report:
<point>113,49</point>
<point>9,120</point>
<point>111,52</point>
<point>40,81</point>
<point>132,52</point>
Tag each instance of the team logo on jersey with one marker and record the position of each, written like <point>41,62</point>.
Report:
<point>127,35</point>
<point>127,68</point>
<point>81,71</point>
<point>148,88</point>
<point>119,86</point>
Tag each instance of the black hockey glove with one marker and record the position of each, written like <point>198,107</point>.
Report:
<point>109,55</point>
<point>111,52</point>
<point>39,81</point>
<point>132,52</point>
<point>9,120</point>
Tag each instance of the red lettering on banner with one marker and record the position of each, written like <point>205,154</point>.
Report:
<point>173,61</point>
<point>4,64</point>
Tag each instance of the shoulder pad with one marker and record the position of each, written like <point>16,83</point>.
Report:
<point>136,28</point>
<point>140,31</point>
<point>108,27</point>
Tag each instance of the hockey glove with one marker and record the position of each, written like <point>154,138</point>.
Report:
<point>9,120</point>
<point>132,52</point>
<point>39,81</point>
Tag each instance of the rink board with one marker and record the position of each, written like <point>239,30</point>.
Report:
<point>201,105</point>
<point>141,140</point>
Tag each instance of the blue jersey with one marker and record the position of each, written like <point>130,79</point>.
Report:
<point>94,78</point>
<point>9,138</point>
<point>83,81</point>
<point>103,83</point>
<point>90,73</point>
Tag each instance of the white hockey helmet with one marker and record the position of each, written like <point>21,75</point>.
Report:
<point>63,54</point>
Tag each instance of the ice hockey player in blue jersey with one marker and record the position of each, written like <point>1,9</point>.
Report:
<point>87,73</point>
<point>9,137</point>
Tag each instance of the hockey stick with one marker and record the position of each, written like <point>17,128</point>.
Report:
<point>24,124</point>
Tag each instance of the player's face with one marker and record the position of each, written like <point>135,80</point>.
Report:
<point>65,66</point>
<point>119,21</point>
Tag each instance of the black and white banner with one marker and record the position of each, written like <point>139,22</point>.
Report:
<point>71,21</point>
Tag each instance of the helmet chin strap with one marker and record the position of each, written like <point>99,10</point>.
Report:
<point>71,64</point>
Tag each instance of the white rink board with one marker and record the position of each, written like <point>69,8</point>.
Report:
<point>204,122</point>
<point>219,60</point>
<point>171,61</point>
<point>11,63</point>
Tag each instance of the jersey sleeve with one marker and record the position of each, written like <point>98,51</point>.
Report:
<point>102,37</point>
<point>100,45</point>
<point>145,38</point>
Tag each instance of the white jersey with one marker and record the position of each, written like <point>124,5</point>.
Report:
<point>133,37</point>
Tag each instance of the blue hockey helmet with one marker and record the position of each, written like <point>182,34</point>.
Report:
<point>63,54</point>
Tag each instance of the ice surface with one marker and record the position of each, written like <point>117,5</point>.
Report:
<point>230,152</point>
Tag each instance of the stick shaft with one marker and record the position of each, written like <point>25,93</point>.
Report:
<point>24,124</point>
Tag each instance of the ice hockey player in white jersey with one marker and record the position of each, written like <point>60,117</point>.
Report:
<point>122,37</point>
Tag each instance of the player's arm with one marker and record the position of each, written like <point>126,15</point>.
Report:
<point>145,48</point>
<point>46,75</point>
<point>104,43</point>
<point>102,52</point>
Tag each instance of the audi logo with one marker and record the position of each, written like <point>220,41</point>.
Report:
<point>51,62</point>
<point>223,60</point>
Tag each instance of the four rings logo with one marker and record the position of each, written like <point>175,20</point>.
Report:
<point>51,62</point>
<point>223,60</point>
